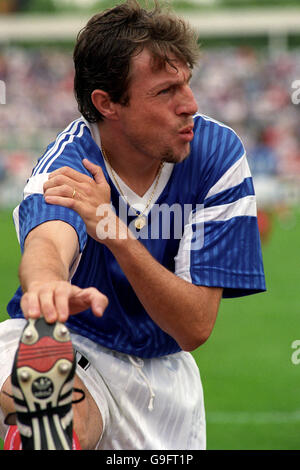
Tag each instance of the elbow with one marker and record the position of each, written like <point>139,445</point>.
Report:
<point>194,341</point>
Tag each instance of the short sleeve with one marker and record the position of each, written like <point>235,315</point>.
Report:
<point>68,150</point>
<point>34,211</point>
<point>221,246</point>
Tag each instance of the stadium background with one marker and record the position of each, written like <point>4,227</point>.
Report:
<point>247,78</point>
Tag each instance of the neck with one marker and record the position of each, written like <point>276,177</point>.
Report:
<point>136,170</point>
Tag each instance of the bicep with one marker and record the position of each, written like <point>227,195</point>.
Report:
<point>61,235</point>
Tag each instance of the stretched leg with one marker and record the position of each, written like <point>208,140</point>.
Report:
<point>41,382</point>
<point>87,417</point>
<point>88,422</point>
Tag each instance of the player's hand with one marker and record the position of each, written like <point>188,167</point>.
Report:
<point>56,300</point>
<point>70,188</point>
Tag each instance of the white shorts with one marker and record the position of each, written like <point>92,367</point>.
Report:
<point>146,404</point>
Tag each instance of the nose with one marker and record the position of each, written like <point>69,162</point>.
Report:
<point>186,103</point>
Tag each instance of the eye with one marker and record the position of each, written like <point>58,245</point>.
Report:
<point>167,90</point>
<point>164,91</point>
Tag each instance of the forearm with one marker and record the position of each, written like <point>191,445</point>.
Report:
<point>185,311</point>
<point>50,250</point>
<point>41,261</point>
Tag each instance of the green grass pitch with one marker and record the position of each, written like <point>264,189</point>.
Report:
<point>251,386</point>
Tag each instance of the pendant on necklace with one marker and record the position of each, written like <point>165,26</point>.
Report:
<point>140,222</point>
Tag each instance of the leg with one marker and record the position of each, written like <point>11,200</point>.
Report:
<point>84,412</point>
<point>87,417</point>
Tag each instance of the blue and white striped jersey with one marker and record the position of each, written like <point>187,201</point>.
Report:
<point>211,236</point>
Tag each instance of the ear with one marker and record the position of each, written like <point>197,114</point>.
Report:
<point>102,102</point>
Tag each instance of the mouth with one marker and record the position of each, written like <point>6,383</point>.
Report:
<point>187,133</point>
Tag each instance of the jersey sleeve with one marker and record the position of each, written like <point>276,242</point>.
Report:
<point>220,246</point>
<point>33,210</point>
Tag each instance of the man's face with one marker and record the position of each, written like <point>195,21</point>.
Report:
<point>157,121</point>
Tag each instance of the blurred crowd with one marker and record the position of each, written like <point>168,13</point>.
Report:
<point>247,89</point>
<point>39,104</point>
<point>251,92</point>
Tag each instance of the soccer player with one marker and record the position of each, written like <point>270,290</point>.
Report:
<point>135,223</point>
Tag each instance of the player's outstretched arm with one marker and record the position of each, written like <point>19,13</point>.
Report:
<point>49,251</point>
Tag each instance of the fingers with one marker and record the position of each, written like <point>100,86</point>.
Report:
<point>30,305</point>
<point>98,302</point>
<point>70,184</point>
<point>61,305</point>
<point>54,197</point>
<point>90,298</point>
<point>70,173</point>
<point>63,191</point>
<point>83,194</point>
<point>76,176</point>
<point>61,181</point>
<point>95,170</point>
<point>61,201</point>
<point>56,301</point>
<point>48,300</point>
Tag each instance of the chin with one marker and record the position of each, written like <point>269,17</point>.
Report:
<point>172,158</point>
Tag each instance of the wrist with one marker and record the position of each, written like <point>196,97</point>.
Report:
<point>111,231</point>
<point>36,284</point>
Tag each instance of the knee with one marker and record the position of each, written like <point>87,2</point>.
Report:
<point>6,402</point>
<point>88,422</point>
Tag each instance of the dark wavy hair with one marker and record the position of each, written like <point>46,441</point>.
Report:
<point>105,46</point>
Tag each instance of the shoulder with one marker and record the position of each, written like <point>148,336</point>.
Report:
<point>212,137</point>
<point>68,149</point>
<point>216,148</point>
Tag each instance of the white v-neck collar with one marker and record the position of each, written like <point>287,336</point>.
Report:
<point>132,198</point>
